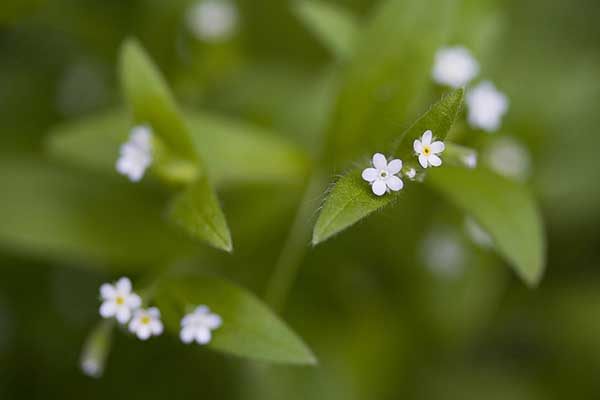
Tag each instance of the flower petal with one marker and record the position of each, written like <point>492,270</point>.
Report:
<point>213,321</point>
<point>379,188</point>
<point>369,174</point>
<point>156,327</point>
<point>143,332</point>
<point>437,147</point>
<point>423,161</point>
<point>202,335</point>
<point>187,335</point>
<point>418,146</point>
<point>134,301</point>
<point>394,183</point>
<point>123,314</point>
<point>154,312</point>
<point>426,138</point>
<point>108,309</point>
<point>435,160</point>
<point>202,309</point>
<point>124,285</point>
<point>379,161</point>
<point>107,291</point>
<point>394,166</point>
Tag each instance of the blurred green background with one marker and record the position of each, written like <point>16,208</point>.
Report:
<point>385,320</point>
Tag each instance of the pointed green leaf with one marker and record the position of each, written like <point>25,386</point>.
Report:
<point>249,328</point>
<point>388,75</point>
<point>234,152</point>
<point>506,209</point>
<point>335,26</point>
<point>351,199</point>
<point>197,211</point>
<point>151,100</point>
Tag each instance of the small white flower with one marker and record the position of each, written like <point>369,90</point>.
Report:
<point>411,173</point>
<point>427,151</point>
<point>118,300</point>
<point>486,107</point>
<point>198,325</point>
<point>146,323</point>
<point>508,157</point>
<point>454,66</point>
<point>212,20</point>
<point>470,160</point>
<point>382,176</point>
<point>136,153</point>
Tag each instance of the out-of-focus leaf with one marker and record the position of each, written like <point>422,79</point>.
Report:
<point>249,328</point>
<point>333,25</point>
<point>388,76</point>
<point>151,100</point>
<point>505,209</point>
<point>351,199</point>
<point>50,213</point>
<point>12,10</point>
<point>234,152</point>
<point>197,211</point>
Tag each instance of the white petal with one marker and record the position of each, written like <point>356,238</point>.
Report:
<point>426,138</point>
<point>437,147</point>
<point>435,160</point>
<point>379,188</point>
<point>187,335</point>
<point>369,174</point>
<point>394,166</point>
<point>202,309</point>
<point>143,332</point>
<point>124,285</point>
<point>156,327</point>
<point>379,161</point>
<point>154,312</point>
<point>108,309</point>
<point>107,291</point>
<point>395,183</point>
<point>213,321</point>
<point>123,314</point>
<point>134,301</point>
<point>418,146</point>
<point>423,161</point>
<point>186,319</point>
<point>203,336</point>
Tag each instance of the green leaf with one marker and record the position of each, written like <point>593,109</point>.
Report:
<point>506,209</point>
<point>197,211</point>
<point>52,213</point>
<point>351,199</point>
<point>333,25</point>
<point>151,100</point>
<point>234,152</point>
<point>249,328</point>
<point>388,76</point>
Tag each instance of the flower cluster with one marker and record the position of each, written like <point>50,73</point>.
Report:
<point>120,302</point>
<point>382,176</point>
<point>456,67</point>
<point>136,153</point>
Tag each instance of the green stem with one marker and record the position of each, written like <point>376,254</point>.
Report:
<point>296,244</point>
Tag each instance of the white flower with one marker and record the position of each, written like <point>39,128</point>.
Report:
<point>428,151</point>
<point>444,254</point>
<point>411,173</point>
<point>470,160</point>
<point>454,66</point>
<point>212,20</point>
<point>508,157</point>
<point>136,153</point>
<point>198,325</point>
<point>118,300</point>
<point>383,176</point>
<point>146,323</point>
<point>486,107</point>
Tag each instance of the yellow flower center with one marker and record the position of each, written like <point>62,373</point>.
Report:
<point>383,174</point>
<point>426,150</point>
<point>120,300</point>
<point>145,320</point>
